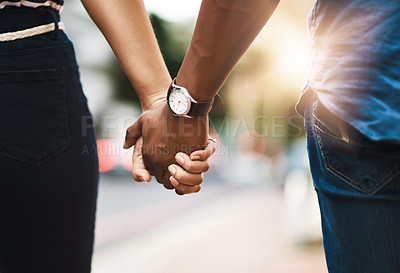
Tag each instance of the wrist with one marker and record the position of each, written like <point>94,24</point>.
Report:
<point>194,87</point>
<point>153,100</point>
<point>202,85</point>
<point>151,91</point>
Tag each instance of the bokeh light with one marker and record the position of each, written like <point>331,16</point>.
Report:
<point>251,145</point>
<point>126,159</point>
<point>108,158</point>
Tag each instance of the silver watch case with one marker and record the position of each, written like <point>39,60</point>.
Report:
<point>189,98</point>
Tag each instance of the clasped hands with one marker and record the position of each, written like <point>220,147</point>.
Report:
<point>173,149</point>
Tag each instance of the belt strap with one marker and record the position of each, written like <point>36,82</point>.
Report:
<point>30,32</point>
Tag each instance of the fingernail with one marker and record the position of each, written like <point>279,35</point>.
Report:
<point>173,181</point>
<point>180,159</point>
<point>194,157</point>
<point>172,170</point>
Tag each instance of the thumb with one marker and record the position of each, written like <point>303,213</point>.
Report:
<point>140,173</point>
<point>133,133</point>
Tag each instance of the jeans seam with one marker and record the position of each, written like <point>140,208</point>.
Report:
<point>326,133</point>
<point>315,115</point>
<point>24,51</point>
<point>384,181</point>
<point>387,179</point>
<point>343,136</point>
<point>343,131</point>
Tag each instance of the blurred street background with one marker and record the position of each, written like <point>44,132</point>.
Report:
<point>257,211</point>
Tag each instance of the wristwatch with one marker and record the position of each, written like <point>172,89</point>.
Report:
<point>182,104</point>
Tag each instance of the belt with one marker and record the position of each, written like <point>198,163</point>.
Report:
<point>29,32</point>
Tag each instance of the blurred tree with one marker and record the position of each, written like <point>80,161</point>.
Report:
<point>172,51</point>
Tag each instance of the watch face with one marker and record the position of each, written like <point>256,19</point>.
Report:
<point>179,102</point>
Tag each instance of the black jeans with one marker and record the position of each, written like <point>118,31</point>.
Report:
<point>48,179</point>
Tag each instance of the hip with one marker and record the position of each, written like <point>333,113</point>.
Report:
<point>343,161</point>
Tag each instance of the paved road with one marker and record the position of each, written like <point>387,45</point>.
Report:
<point>225,229</point>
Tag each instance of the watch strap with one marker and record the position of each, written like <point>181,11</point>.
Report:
<point>202,108</point>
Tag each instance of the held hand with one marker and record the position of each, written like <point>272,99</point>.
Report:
<point>139,172</point>
<point>164,135</point>
<point>186,177</point>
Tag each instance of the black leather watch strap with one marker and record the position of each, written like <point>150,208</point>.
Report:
<point>203,108</point>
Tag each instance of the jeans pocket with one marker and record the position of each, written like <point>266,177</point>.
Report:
<point>358,161</point>
<point>33,119</point>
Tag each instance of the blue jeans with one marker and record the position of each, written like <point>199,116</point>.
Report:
<point>358,186</point>
<point>48,160</point>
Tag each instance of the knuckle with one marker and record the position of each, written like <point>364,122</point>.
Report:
<point>140,119</point>
<point>206,166</point>
<point>135,177</point>
<point>188,165</point>
<point>182,189</point>
<point>179,176</point>
<point>189,189</point>
<point>197,180</point>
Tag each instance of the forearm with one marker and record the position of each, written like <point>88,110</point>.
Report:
<point>127,28</point>
<point>224,31</point>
